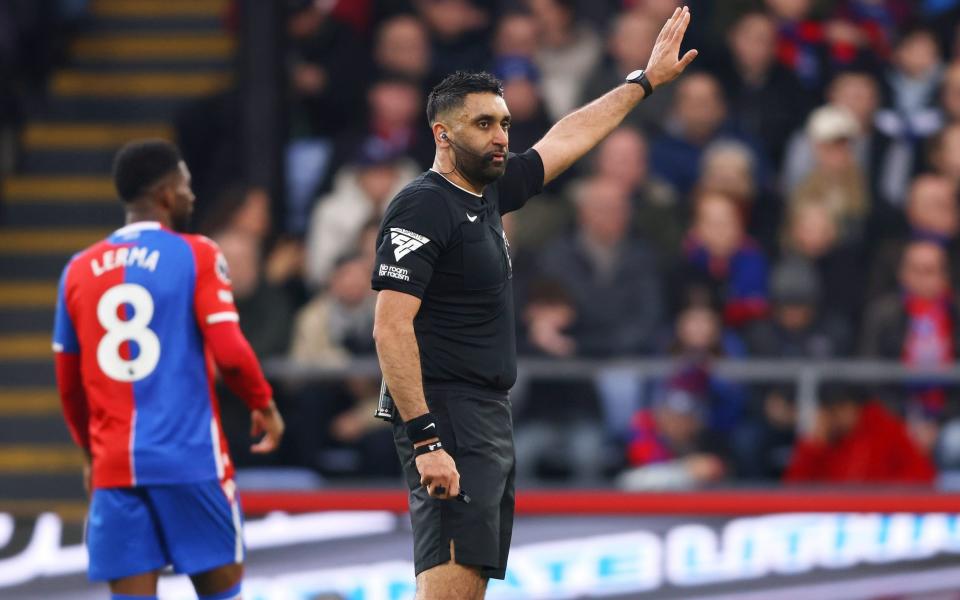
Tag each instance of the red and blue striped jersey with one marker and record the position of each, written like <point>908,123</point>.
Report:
<point>135,307</point>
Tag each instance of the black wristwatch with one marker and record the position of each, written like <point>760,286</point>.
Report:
<point>639,77</point>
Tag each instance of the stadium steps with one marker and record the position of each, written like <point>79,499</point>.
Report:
<point>75,149</point>
<point>152,9</point>
<point>25,373</point>
<point>26,306</point>
<point>85,136</point>
<point>29,402</point>
<point>128,73</point>
<point>162,46</point>
<point>61,201</point>
<point>15,321</point>
<point>16,295</point>
<point>134,85</point>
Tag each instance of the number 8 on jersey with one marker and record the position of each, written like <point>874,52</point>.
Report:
<point>134,330</point>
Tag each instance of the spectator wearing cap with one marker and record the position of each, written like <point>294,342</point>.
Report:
<point>837,180</point>
<point>360,192</point>
<point>798,326</point>
<point>857,441</point>
<point>859,93</point>
<point>723,263</point>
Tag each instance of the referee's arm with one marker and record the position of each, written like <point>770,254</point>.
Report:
<point>398,351</point>
<point>575,134</point>
<point>400,363</point>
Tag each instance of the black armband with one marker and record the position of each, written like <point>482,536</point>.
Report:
<point>422,428</point>
<point>427,448</point>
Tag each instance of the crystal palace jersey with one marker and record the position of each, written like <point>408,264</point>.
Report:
<point>133,308</point>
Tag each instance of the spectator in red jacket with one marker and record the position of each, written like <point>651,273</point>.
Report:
<point>857,442</point>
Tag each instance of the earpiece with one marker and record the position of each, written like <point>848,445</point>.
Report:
<point>443,135</point>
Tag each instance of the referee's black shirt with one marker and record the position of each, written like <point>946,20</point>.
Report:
<point>446,246</point>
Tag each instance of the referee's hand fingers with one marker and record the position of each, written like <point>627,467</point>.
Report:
<point>442,488</point>
<point>438,473</point>
<point>454,489</point>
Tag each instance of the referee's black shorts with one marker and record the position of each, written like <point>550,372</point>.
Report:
<point>476,428</point>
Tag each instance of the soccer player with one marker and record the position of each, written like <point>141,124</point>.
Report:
<point>142,318</point>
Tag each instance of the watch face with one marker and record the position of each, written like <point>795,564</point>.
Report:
<point>635,74</point>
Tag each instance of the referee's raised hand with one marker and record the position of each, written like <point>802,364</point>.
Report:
<point>664,64</point>
<point>438,473</point>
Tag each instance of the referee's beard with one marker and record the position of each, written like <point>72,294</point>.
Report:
<point>479,168</point>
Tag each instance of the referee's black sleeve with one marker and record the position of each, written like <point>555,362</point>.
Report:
<point>522,180</point>
<point>416,229</point>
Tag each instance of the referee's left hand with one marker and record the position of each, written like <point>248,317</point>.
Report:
<point>438,473</point>
<point>664,65</point>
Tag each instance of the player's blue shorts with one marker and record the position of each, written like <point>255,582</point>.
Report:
<point>195,527</point>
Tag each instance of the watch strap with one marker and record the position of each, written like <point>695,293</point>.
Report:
<point>641,79</point>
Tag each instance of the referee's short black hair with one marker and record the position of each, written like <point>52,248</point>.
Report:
<point>139,165</point>
<point>450,92</point>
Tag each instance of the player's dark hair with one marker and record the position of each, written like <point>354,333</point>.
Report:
<point>451,92</point>
<point>139,165</point>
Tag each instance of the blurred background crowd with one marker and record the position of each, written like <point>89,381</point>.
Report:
<point>793,196</point>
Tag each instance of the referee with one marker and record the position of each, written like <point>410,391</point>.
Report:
<point>444,324</point>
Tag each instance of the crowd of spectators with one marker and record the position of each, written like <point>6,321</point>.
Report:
<point>794,195</point>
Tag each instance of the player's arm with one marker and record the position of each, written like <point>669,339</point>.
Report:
<point>73,397</point>
<point>66,349</point>
<point>575,134</point>
<point>241,373</point>
<point>219,324</point>
<point>399,356</point>
<point>73,400</point>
